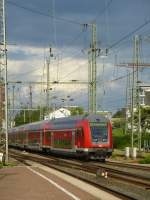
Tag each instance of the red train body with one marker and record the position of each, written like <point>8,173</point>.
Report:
<point>83,136</point>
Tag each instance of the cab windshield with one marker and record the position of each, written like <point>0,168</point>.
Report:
<point>99,132</point>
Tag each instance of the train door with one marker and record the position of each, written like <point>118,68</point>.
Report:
<point>27,139</point>
<point>48,138</point>
<point>79,138</point>
<point>52,139</point>
<point>73,139</point>
<point>41,139</point>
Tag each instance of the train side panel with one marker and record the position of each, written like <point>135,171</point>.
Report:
<point>63,139</point>
<point>34,140</point>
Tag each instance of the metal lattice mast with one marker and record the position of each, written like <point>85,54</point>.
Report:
<point>48,79</point>
<point>30,94</point>
<point>137,56</point>
<point>92,71</point>
<point>1,22</point>
<point>48,85</point>
<point>1,64</point>
<point>89,83</point>
<point>3,51</point>
<point>135,92</point>
<point>128,103</point>
<point>30,103</point>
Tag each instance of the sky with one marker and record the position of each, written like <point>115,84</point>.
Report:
<point>34,25</point>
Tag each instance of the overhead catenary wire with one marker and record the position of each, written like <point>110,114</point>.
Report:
<point>105,8</point>
<point>70,42</point>
<point>75,22</point>
<point>75,39</point>
<point>70,58</point>
<point>25,73</point>
<point>53,21</point>
<point>129,34</point>
<point>43,14</point>
<point>73,71</point>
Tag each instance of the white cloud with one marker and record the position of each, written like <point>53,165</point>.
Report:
<point>29,67</point>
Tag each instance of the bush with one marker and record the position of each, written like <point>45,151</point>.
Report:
<point>120,140</point>
<point>145,160</point>
<point>118,122</point>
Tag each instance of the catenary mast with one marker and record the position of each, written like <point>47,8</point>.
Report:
<point>3,54</point>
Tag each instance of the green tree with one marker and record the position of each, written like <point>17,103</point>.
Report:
<point>26,116</point>
<point>145,122</point>
<point>145,118</point>
<point>120,113</point>
<point>76,111</point>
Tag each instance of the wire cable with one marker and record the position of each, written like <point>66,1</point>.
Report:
<point>129,34</point>
<point>73,71</point>
<point>105,8</point>
<point>43,14</point>
<point>25,73</point>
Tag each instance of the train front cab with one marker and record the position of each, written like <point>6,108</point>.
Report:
<point>101,140</point>
<point>96,140</point>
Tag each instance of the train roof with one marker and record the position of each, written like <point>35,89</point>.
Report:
<point>59,123</point>
<point>90,117</point>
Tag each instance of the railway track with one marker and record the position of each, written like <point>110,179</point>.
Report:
<point>128,185</point>
<point>127,165</point>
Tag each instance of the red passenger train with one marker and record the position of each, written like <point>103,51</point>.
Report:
<point>83,136</point>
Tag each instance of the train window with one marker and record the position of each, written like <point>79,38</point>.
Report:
<point>99,132</point>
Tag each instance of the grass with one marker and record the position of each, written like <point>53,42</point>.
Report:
<point>1,165</point>
<point>142,157</point>
<point>7,165</point>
